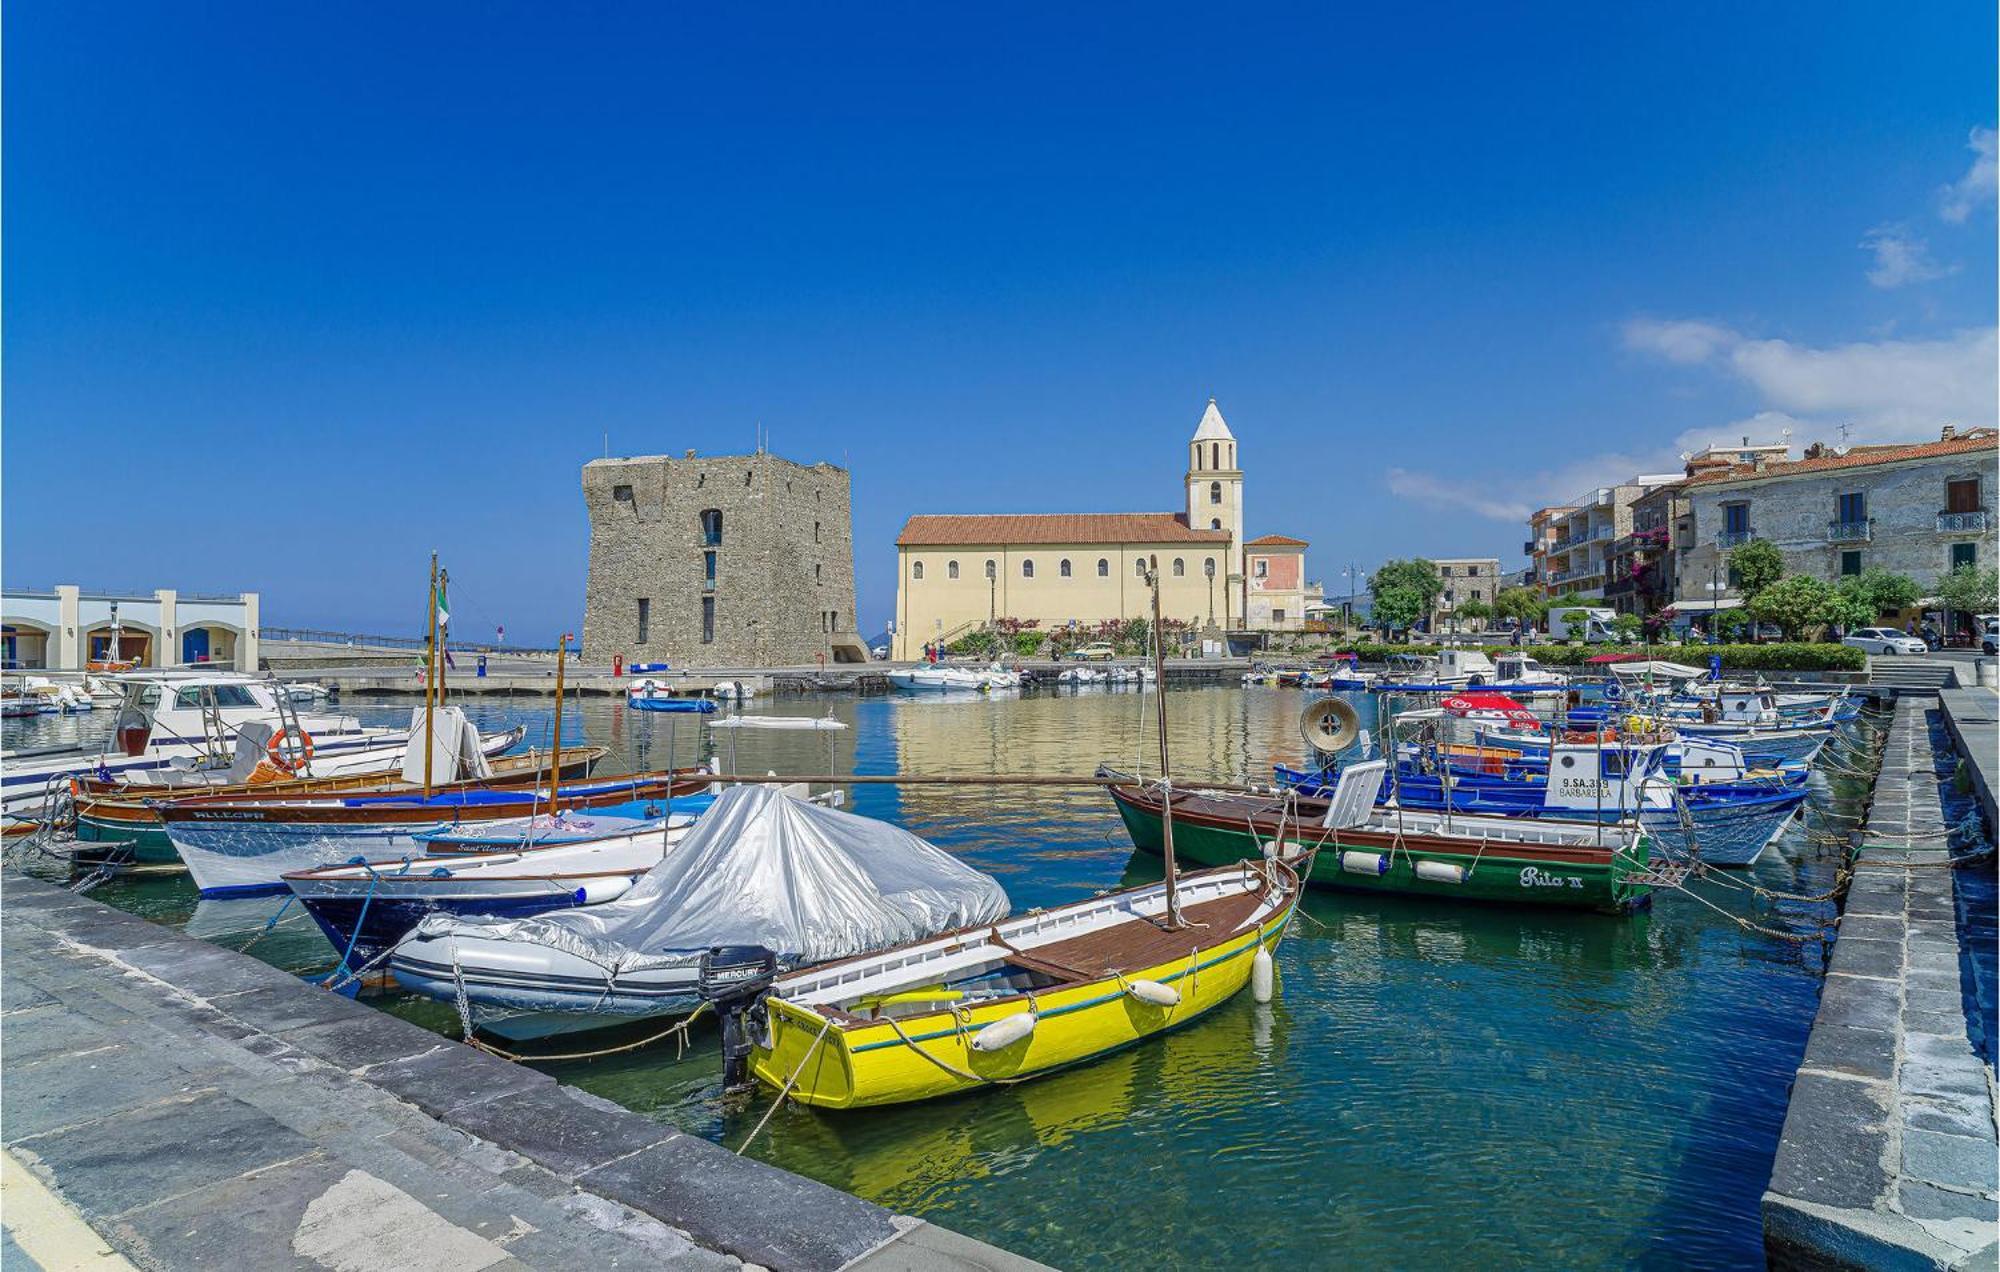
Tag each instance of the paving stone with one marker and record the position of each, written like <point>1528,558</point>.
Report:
<point>208,972</point>
<point>36,1099</point>
<point>1954,1117</point>
<point>1955,1161</point>
<point>1831,1150</point>
<point>275,1009</point>
<point>147,1155</point>
<point>1856,1003</point>
<point>1936,1024</point>
<point>450,1076</point>
<point>772,1220</point>
<point>37,1036</point>
<point>1858,956</point>
<point>20,996</point>
<point>370,1039</point>
<point>245,1221</point>
<point>564,1133</point>
<point>1865,1053</point>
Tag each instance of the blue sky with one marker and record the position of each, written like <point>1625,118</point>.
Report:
<point>294,294</point>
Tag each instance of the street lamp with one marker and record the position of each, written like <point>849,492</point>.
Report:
<point>1208,568</point>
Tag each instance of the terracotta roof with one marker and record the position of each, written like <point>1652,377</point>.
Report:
<point>1860,457</point>
<point>1054,527</point>
<point>1277,541</point>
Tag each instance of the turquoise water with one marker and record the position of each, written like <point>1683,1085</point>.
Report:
<point>1434,1085</point>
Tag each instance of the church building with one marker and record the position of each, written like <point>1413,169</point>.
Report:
<point>955,574</point>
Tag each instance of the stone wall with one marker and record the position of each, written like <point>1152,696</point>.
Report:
<point>784,576</point>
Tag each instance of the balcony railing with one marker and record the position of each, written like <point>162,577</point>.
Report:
<point>1850,531</point>
<point>1734,538</point>
<point>1960,522</point>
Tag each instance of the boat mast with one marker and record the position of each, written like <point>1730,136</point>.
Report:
<point>1166,782</point>
<point>430,669</point>
<point>555,740</point>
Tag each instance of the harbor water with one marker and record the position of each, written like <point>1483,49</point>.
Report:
<point>1435,1085</point>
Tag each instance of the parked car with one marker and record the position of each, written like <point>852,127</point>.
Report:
<point>1095,651</point>
<point>1989,637</point>
<point>1884,640</point>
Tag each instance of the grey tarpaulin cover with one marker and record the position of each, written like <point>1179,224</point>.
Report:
<point>806,882</point>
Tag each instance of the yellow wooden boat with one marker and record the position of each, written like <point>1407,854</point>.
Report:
<point>1023,997</point>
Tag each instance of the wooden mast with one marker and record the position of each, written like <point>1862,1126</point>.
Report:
<point>555,740</point>
<point>430,670</point>
<point>1166,783</point>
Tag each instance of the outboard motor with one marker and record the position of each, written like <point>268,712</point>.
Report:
<point>732,980</point>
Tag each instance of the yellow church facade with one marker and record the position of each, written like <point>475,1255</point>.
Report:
<point>955,574</point>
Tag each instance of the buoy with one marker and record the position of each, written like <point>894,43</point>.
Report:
<point>1365,863</point>
<point>596,890</point>
<point>1263,975</point>
<point>1154,993</point>
<point>1441,872</point>
<point>1005,1032</point>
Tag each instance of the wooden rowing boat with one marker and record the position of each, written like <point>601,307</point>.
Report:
<point>1024,997</point>
<point>107,811</point>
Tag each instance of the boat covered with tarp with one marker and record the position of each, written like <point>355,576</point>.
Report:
<point>809,884</point>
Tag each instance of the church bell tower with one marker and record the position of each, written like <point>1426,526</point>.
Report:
<point>1215,497</point>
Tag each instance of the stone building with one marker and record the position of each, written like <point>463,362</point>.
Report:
<point>957,573</point>
<point>1577,560</point>
<point>1918,510</point>
<point>719,561</point>
<point>1639,567</point>
<point>1465,579</point>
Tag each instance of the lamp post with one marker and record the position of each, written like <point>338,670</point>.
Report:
<point>1208,568</point>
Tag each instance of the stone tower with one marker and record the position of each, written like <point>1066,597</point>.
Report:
<point>724,561</point>
<point>1215,494</point>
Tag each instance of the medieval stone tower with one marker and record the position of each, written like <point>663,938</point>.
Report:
<point>725,561</point>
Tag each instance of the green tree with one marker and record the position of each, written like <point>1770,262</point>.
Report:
<point>1970,590</point>
<point>1405,591</point>
<point>1475,611</point>
<point>1519,604</point>
<point>1850,605</point>
<point>1794,604</point>
<point>1885,591</point>
<point>1628,627</point>
<point>1758,565</point>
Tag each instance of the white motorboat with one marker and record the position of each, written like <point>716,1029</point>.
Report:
<point>192,717</point>
<point>826,722</point>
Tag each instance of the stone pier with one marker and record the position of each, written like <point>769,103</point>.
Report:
<point>1888,1156</point>
<point>198,1108</point>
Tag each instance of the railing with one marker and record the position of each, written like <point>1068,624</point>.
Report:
<point>316,636</point>
<point>1734,538</point>
<point>1850,531</point>
<point>1959,522</point>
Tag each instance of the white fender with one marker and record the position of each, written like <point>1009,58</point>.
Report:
<point>1153,992</point>
<point>1441,871</point>
<point>1005,1032</point>
<point>596,890</point>
<point>1365,863</point>
<point>1263,976</point>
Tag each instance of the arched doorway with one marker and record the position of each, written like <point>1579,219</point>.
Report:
<point>208,643</point>
<point>24,646</point>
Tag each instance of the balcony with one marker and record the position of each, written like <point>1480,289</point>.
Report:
<point>1964,522</point>
<point>1734,538</point>
<point>1850,531</point>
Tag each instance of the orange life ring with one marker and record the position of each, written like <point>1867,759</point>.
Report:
<point>303,746</point>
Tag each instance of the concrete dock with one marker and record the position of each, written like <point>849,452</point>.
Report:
<point>1889,1150</point>
<point>195,1107</point>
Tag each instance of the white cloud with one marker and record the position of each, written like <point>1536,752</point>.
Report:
<point>1901,258</point>
<point>1957,200</point>
<point>1684,341</point>
<point>1459,496</point>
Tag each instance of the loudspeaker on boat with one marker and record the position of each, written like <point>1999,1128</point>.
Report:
<point>1329,725</point>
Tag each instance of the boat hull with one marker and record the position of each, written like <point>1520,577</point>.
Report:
<point>1501,873</point>
<point>870,1065</point>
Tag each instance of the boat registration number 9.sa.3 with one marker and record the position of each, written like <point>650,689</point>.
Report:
<point>1532,877</point>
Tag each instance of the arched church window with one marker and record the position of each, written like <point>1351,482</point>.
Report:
<point>1215,492</point>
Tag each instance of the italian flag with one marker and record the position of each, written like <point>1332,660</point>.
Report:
<point>443,614</point>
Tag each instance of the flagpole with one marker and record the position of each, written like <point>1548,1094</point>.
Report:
<point>430,669</point>
<point>444,630</point>
<point>1174,920</point>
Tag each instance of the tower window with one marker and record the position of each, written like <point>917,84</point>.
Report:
<point>711,526</point>
<point>1215,524</point>
<point>1027,569</point>
<point>1103,568</point>
<point>951,569</point>
<point>1215,492</point>
<point>623,494</point>
<point>708,620</point>
<point>1180,568</point>
<point>917,570</point>
<point>1139,567</point>
<point>815,532</point>
<point>1215,454</point>
<point>645,620</point>
<point>1063,569</point>
<point>992,570</point>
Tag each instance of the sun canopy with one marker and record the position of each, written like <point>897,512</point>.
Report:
<point>759,868</point>
<point>1656,670</point>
